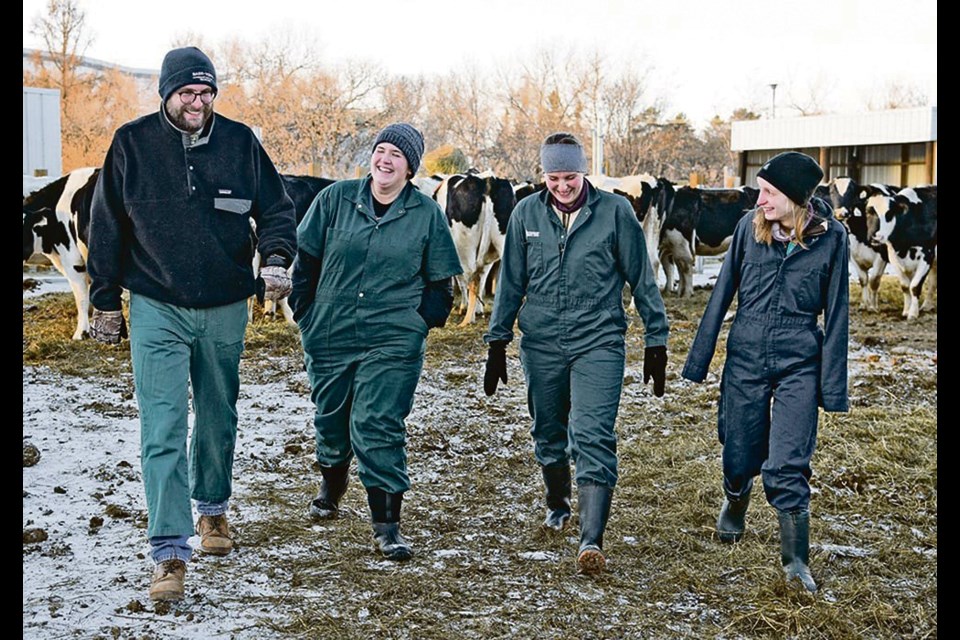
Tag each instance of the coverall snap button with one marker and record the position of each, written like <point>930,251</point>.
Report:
<point>361,294</point>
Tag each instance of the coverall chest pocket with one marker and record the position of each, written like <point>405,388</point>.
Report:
<point>807,286</point>
<point>402,258</point>
<point>598,261</point>
<point>534,256</point>
<point>338,252</point>
<point>751,275</point>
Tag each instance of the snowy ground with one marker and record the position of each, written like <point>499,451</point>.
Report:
<point>483,568</point>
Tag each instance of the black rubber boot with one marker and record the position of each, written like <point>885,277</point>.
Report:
<point>385,513</point>
<point>795,547</point>
<point>733,515</point>
<point>594,504</point>
<point>334,484</point>
<point>556,479</point>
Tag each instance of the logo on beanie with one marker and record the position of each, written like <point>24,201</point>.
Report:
<point>203,76</point>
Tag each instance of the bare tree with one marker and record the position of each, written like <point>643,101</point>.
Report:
<point>460,113</point>
<point>812,97</point>
<point>897,94</point>
<point>63,31</point>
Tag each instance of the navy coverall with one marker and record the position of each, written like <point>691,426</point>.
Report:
<point>567,288</point>
<point>780,364</point>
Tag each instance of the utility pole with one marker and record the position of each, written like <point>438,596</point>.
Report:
<point>773,105</point>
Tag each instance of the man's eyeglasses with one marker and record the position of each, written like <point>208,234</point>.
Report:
<point>188,97</point>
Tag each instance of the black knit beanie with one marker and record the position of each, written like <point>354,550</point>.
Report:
<point>795,175</point>
<point>185,66</point>
<point>406,138</point>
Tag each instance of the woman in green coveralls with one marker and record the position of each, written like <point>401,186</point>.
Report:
<point>372,276</point>
<point>568,253</point>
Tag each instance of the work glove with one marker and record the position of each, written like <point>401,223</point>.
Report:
<point>655,366</point>
<point>108,327</point>
<point>276,281</point>
<point>496,366</point>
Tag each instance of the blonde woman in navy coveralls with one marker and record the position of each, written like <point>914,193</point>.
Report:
<point>788,266</point>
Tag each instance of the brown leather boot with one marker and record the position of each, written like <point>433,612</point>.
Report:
<point>214,535</point>
<point>167,583</point>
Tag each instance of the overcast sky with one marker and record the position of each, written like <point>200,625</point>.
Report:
<point>705,56</point>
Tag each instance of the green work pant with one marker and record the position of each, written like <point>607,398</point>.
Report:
<point>171,346</point>
<point>573,400</point>
<point>362,398</point>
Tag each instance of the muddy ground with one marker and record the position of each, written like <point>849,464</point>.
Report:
<point>483,567</point>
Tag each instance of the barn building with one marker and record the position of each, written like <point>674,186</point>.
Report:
<point>896,147</point>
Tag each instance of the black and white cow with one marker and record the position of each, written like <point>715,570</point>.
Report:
<point>907,223</point>
<point>303,191</point>
<point>700,222</point>
<point>56,223</point>
<point>478,207</point>
<point>869,259</point>
<point>645,194</point>
<point>525,189</point>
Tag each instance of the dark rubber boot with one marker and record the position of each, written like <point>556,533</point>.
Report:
<point>731,522</point>
<point>594,504</point>
<point>385,513</point>
<point>556,479</point>
<point>334,484</point>
<point>795,547</point>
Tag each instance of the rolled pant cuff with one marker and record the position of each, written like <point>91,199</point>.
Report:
<point>165,548</point>
<point>212,508</point>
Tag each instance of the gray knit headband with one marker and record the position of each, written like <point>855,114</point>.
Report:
<point>555,158</point>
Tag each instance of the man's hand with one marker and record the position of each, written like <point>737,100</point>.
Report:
<point>108,327</point>
<point>276,282</point>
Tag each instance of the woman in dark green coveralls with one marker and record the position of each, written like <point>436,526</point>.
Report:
<point>567,254</point>
<point>372,275</point>
<point>787,264</point>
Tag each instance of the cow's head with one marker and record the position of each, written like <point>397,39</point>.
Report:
<point>881,216</point>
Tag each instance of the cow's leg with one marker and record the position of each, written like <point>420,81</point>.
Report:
<point>284,305</point>
<point>916,287</point>
<point>685,270</point>
<point>464,294</point>
<point>73,270</point>
<point>483,287</point>
<point>931,292</point>
<point>471,304</point>
<point>864,279</point>
<point>667,263</point>
<point>874,278</point>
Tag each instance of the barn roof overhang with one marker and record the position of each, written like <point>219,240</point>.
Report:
<point>874,127</point>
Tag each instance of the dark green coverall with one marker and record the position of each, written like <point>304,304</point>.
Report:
<point>363,339</point>
<point>566,288</point>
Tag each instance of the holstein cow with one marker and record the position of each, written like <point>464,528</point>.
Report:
<point>907,223</point>
<point>303,191</point>
<point>56,222</point>
<point>647,196</point>
<point>478,207</point>
<point>700,222</point>
<point>869,260</point>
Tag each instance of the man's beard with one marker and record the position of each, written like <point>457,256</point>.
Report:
<point>180,122</point>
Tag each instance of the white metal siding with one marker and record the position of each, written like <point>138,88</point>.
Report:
<point>41,131</point>
<point>877,127</point>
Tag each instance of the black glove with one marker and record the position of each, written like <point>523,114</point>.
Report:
<point>496,366</point>
<point>655,366</point>
<point>108,327</point>
<point>436,303</point>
